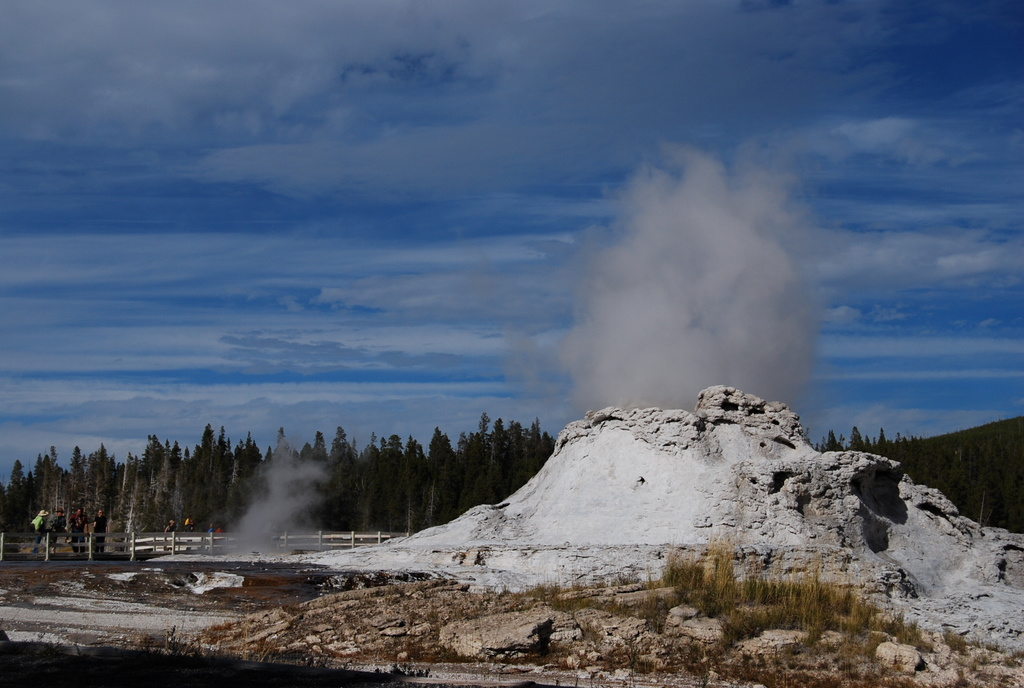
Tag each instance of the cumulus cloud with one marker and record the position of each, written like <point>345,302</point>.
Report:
<point>700,289</point>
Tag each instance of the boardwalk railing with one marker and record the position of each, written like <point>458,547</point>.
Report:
<point>134,546</point>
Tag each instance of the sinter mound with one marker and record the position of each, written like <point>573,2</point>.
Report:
<point>626,486</point>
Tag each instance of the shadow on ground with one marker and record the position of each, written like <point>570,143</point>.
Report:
<point>42,665</point>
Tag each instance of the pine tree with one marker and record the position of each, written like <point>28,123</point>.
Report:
<point>447,483</point>
<point>100,470</point>
<point>17,508</point>
<point>857,442</point>
<point>337,508</point>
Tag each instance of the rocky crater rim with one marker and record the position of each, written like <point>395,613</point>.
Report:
<point>716,406</point>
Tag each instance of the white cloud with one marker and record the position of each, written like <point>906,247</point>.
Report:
<point>396,98</point>
<point>881,314</point>
<point>842,315</point>
<point>121,415</point>
<point>928,375</point>
<point>331,296</point>
<point>876,134</point>
<point>291,303</point>
<point>880,346</point>
<point>917,259</point>
<point>178,304</point>
<point>899,137</point>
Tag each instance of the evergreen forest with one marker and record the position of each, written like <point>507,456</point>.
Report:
<point>400,486</point>
<point>980,470</point>
<point>387,485</point>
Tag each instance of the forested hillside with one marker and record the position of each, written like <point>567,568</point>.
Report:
<point>981,470</point>
<point>387,485</point>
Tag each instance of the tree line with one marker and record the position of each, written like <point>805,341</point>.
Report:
<point>389,484</point>
<point>980,470</point>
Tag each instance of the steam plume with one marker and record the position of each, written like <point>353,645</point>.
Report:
<point>285,501</point>
<point>700,290</point>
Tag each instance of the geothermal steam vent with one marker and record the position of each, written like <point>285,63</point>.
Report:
<point>624,486</point>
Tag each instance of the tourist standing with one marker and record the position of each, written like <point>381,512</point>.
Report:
<point>58,524</point>
<point>79,526</point>
<point>41,526</point>
<point>99,525</point>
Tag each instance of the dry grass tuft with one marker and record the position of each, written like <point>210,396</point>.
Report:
<point>758,601</point>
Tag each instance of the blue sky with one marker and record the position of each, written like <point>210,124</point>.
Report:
<point>394,216</point>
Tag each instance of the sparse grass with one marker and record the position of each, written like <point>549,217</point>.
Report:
<point>177,645</point>
<point>757,602</point>
<point>749,601</point>
<point>550,594</point>
<point>653,610</point>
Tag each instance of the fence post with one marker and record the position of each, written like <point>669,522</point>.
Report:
<point>378,538</point>
<point>353,539</point>
<point>46,556</point>
<point>174,543</point>
<point>3,545</point>
<point>132,558</point>
<point>90,546</point>
<point>320,541</point>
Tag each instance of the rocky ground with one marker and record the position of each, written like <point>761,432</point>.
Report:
<point>624,489</point>
<point>624,634</point>
<point>433,631</point>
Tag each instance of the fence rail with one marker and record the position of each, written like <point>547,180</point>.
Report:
<point>135,546</point>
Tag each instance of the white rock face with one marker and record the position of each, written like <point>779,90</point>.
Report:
<point>637,476</point>
<point>625,486</point>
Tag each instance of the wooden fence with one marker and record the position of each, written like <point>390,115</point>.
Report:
<point>136,546</point>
